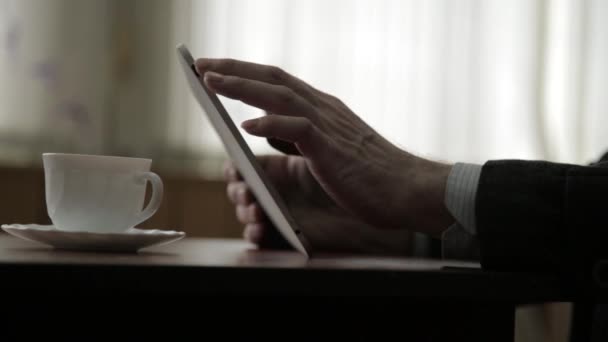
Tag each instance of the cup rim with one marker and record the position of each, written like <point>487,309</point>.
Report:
<point>99,156</point>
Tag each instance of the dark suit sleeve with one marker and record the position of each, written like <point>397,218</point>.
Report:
<point>541,216</point>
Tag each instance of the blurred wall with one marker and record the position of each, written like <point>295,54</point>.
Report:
<point>54,77</point>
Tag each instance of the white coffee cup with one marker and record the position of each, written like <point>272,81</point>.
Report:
<point>101,194</point>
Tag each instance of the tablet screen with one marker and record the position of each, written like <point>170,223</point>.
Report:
<point>242,156</point>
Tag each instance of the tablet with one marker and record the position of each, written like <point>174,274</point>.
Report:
<point>242,156</point>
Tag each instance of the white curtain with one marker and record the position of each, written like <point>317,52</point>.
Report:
<point>466,80</point>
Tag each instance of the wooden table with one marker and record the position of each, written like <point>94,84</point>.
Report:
<point>366,296</point>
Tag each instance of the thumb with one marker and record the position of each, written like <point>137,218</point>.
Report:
<point>281,145</point>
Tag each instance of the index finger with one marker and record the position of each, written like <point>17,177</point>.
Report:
<point>272,98</point>
<point>253,71</point>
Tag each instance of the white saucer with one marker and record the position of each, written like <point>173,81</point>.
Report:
<point>130,241</point>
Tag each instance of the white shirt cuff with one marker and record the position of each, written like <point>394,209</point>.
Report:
<point>461,190</point>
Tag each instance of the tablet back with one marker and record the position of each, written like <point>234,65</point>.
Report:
<point>242,156</point>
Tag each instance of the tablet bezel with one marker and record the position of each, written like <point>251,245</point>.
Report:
<point>242,156</point>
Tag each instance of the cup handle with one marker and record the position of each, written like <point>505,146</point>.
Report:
<point>155,200</point>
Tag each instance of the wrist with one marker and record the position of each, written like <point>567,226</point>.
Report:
<point>426,183</point>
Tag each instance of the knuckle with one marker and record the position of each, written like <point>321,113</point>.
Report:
<point>244,214</point>
<point>277,74</point>
<point>286,96</point>
<point>333,99</point>
<point>243,195</point>
<point>230,191</point>
<point>306,128</point>
<point>230,173</point>
<point>307,125</point>
<point>311,97</point>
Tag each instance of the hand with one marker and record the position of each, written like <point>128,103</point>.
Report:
<point>361,171</point>
<point>326,226</point>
